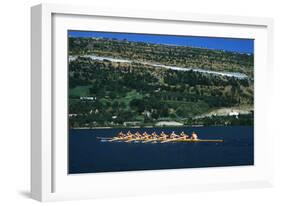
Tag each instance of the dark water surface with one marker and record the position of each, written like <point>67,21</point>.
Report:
<point>87,154</point>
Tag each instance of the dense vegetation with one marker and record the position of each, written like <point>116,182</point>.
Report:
<point>166,54</point>
<point>115,94</point>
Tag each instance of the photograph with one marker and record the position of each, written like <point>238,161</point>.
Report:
<point>156,101</point>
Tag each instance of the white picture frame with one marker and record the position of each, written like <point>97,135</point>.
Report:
<point>49,179</point>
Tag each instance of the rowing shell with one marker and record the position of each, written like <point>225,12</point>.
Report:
<point>200,140</point>
<point>192,140</point>
<point>148,140</point>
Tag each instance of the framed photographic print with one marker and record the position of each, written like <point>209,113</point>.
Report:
<point>143,102</point>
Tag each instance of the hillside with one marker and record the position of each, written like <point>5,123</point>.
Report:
<point>182,56</point>
<point>105,93</point>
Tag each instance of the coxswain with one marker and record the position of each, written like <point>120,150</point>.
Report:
<point>194,136</point>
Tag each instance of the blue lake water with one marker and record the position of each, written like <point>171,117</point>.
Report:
<point>87,154</point>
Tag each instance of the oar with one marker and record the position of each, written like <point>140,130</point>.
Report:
<point>130,140</point>
<point>150,140</point>
<point>169,140</point>
<point>104,138</point>
<point>114,139</point>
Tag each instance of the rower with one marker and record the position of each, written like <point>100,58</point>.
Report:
<point>137,135</point>
<point>173,135</point>
<point>183,135</point>
<point>121,135</point>
<point>163,135</point>
<point>129,135</point>
<point>154,135</point>
<point>194,136</point>
<point>145,135</point>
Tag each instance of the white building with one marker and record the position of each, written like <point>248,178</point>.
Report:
<point>88,98</point>
<point>233,113</point>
